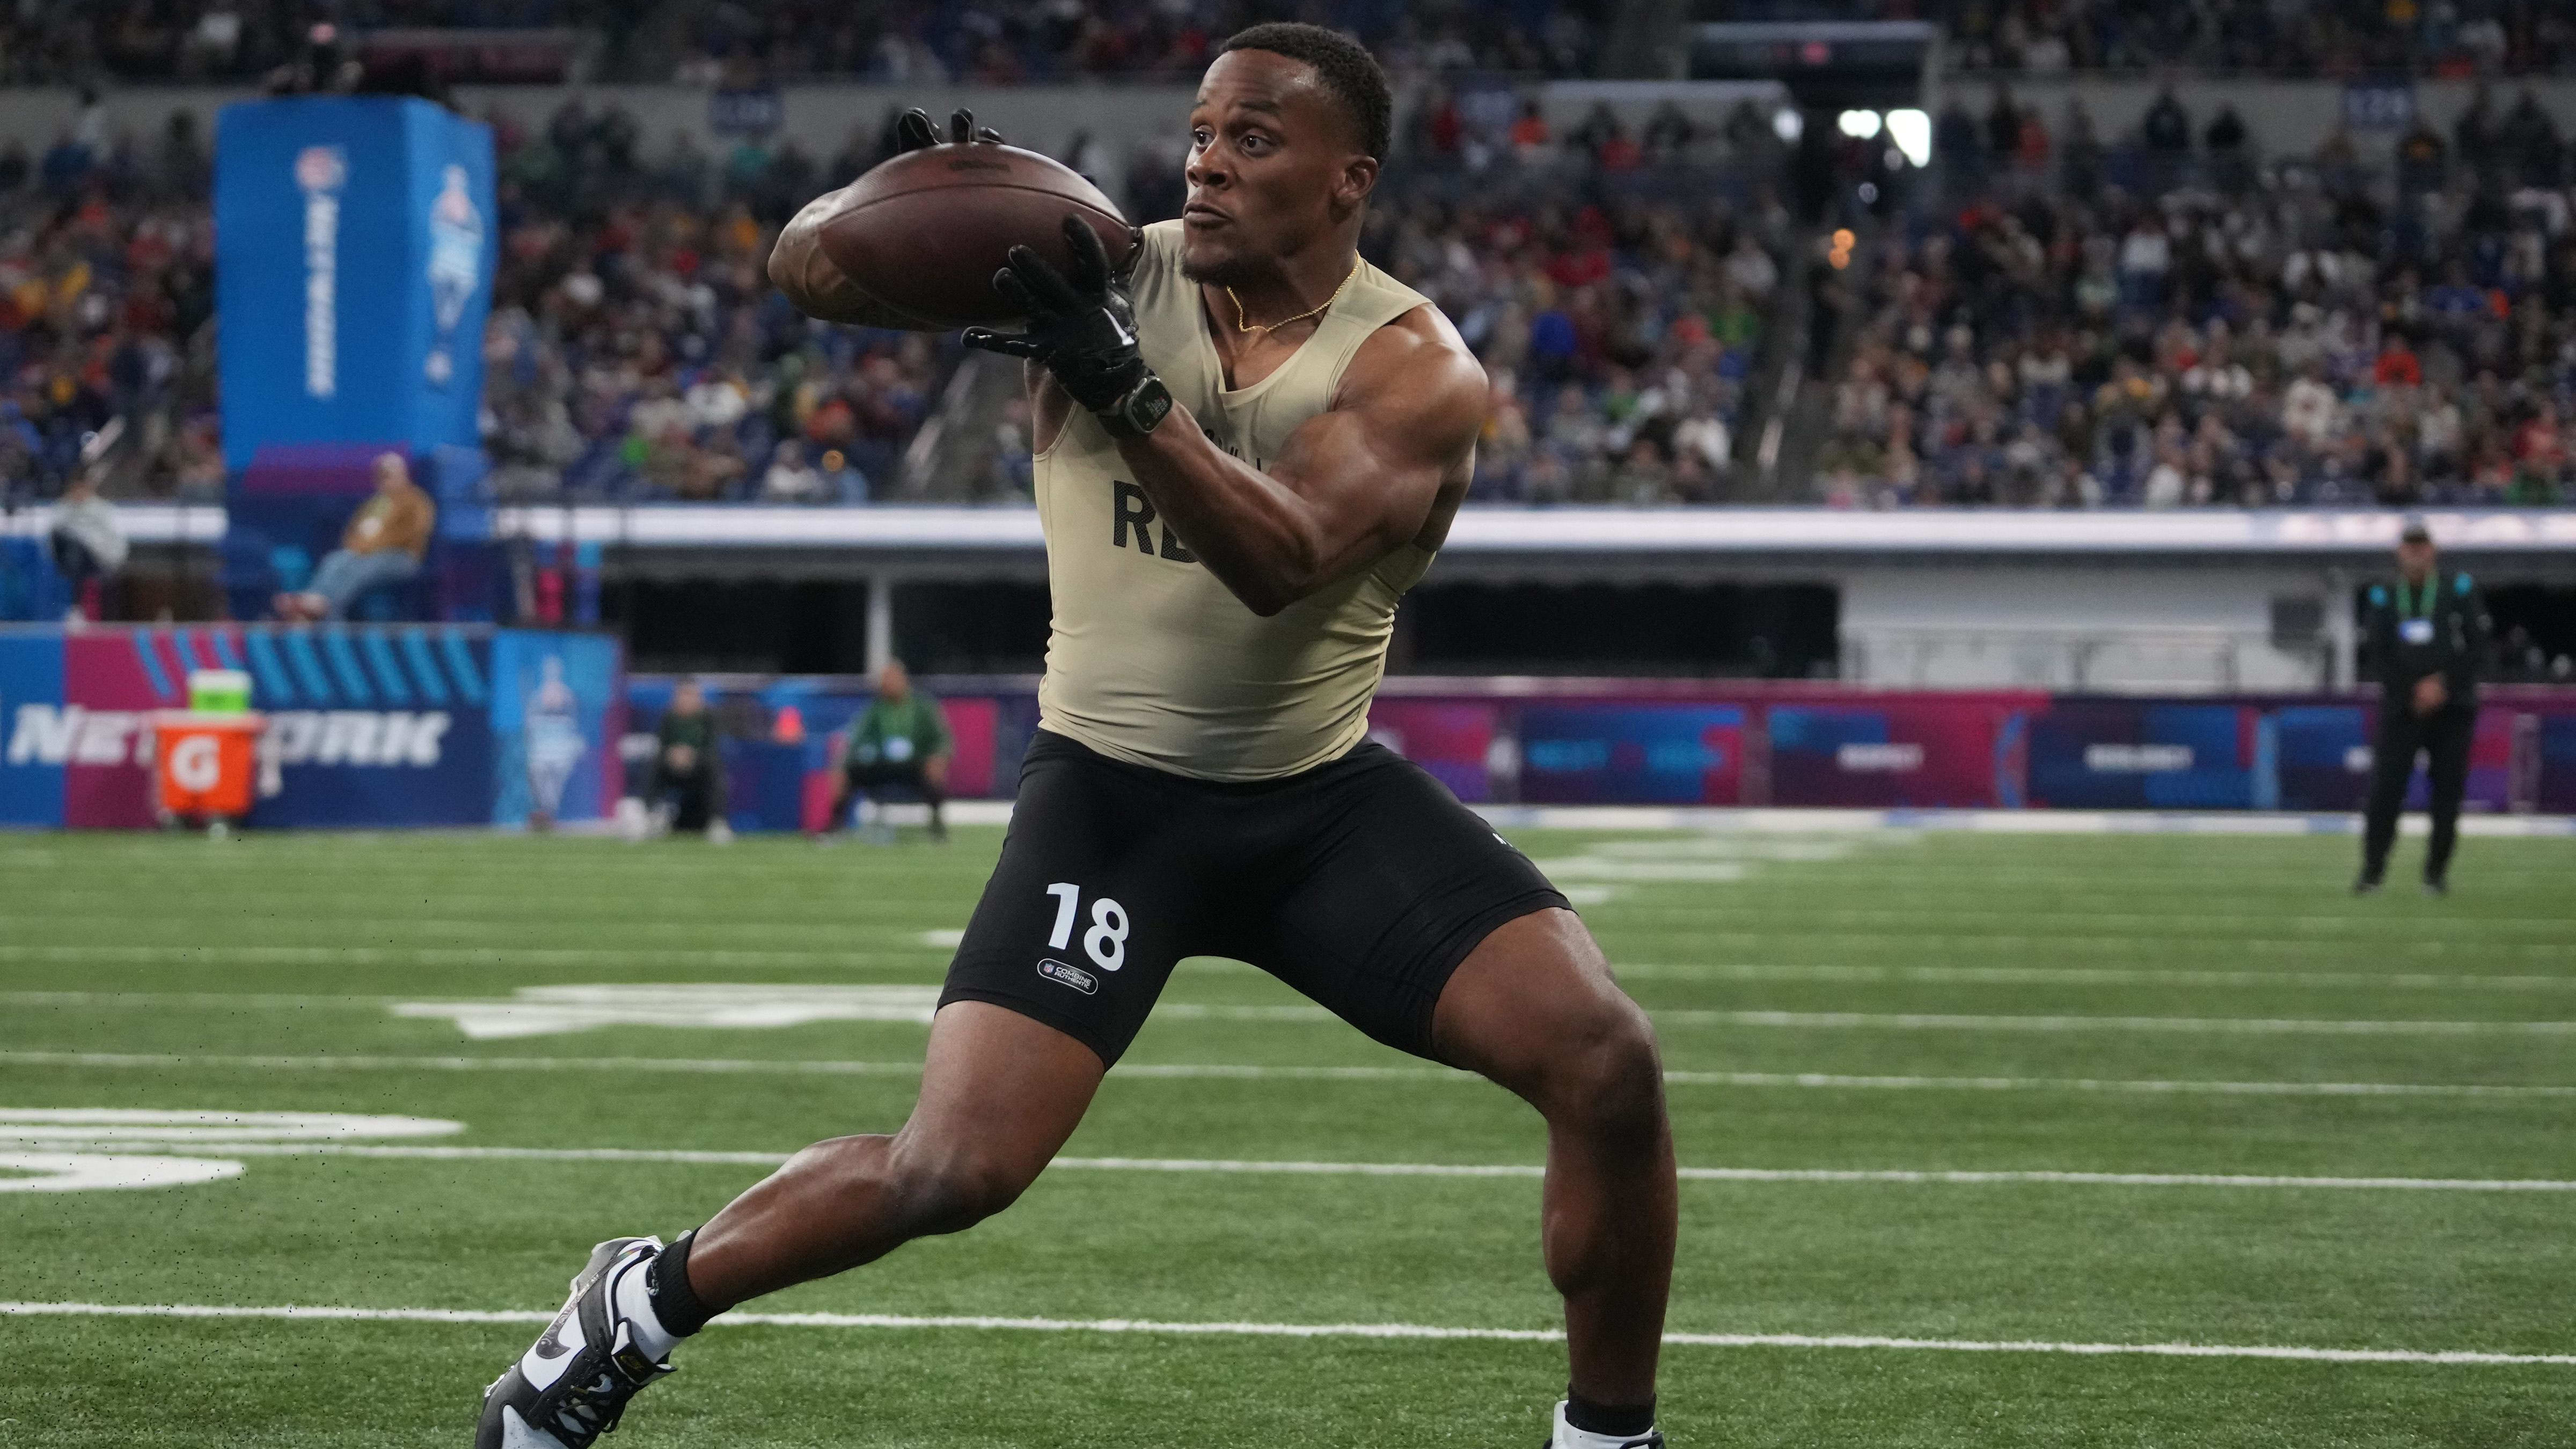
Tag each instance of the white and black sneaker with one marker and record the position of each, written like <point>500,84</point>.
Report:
<point>572,1384</point>
<point>1566,1436</point>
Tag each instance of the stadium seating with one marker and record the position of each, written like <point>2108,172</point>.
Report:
<point>2173,316</point>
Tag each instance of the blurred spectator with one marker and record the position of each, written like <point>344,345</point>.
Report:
<point>686,789</point>
<point>901,743</point>
<point>790,479</point>
<point>88,546</point>
<point>2166,129</point>
<point>382,546</point>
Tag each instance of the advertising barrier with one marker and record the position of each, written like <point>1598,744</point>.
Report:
<point>456,725</point>
<point>365,726</point>
<point>1671,743</point>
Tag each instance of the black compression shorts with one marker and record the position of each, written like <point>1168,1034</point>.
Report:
<point>1362,883</point>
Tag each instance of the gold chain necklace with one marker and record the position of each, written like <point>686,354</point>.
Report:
<point>1242,326</point>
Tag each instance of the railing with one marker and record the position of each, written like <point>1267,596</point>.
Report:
<point>2088,660</point>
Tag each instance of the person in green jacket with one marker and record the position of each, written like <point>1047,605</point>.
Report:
<point>900,741</point>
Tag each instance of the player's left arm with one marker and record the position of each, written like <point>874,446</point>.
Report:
<point>1352,485</point>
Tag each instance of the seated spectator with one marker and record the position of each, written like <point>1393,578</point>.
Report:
<point>382,546</point>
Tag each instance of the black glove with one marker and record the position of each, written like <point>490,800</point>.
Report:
<point>1081,328</point>
<point>912,130</point>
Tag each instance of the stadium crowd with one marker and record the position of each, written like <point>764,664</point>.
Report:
<point>2457,38</point>
<point>1007,42</point>
<point>2167,319</point>
<point>106,292</point>
<point>1617,337</point>
<point>636,349</point>
<point>2222,334</point>
<point>987,42</point>
<point>1002,42</point>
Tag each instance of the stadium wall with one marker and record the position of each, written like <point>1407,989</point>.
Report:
<point>366,726</point>
<point>1662,742</point>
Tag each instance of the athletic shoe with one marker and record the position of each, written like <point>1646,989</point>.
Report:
<point>2366,886</point>
<point>571,1386</point>
<point>2434,885</point>
<point>1566,1434</point>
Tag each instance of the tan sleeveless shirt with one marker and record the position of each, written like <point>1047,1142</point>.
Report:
<point>1151,660</point>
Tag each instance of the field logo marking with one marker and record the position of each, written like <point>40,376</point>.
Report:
<point>552,1010</point>
<point>1603,871</point>
<point>83,1149</point>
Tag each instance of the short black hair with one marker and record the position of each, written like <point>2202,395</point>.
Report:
<point>1347,70</point>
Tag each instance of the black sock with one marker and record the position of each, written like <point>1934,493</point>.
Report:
<point>666,1282</point>
<point>1594,1418</point>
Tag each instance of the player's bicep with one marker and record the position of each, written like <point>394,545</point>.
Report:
<point>1373,466</point>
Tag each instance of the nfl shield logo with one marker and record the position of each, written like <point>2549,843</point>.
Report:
<point>321,168</point>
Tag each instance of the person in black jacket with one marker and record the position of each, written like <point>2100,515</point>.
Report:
<point>688,785</point>
<point>2427,632</point>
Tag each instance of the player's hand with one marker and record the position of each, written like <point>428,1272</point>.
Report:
<point>2431,694</point>
<point>1081,327</point>
<point>912,130</point>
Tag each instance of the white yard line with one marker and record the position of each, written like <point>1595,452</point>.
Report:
<point>923,957</point>
<point>894,1321</point>
<point>1990,822</point>
<point>1792,1020</point>
<point>1221,1071</point>
<point>2087,976</point>
<point>713,958</point>
<point>2215,1025</point>
<point>1238,1167</point>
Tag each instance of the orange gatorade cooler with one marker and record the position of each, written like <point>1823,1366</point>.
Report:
<point>207,763</point>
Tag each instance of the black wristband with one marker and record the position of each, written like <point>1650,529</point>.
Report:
<point>1139,412</point>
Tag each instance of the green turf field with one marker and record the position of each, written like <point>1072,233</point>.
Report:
<point>2321,1096</point>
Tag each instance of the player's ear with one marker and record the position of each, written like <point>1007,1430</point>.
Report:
<point>1358,179</point>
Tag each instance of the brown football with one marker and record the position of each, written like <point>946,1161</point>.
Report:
<point>925,232</point>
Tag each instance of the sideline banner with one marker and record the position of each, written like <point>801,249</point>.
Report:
<point>558,709</point>
<point>1908,751</point>
<point>2152,755</point>
<point>1641,754</point>
<point>32,751</point>
<point>368,726</point>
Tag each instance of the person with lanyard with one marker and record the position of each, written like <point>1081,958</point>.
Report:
<point>2427,633</point>
<point>902,741</point>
